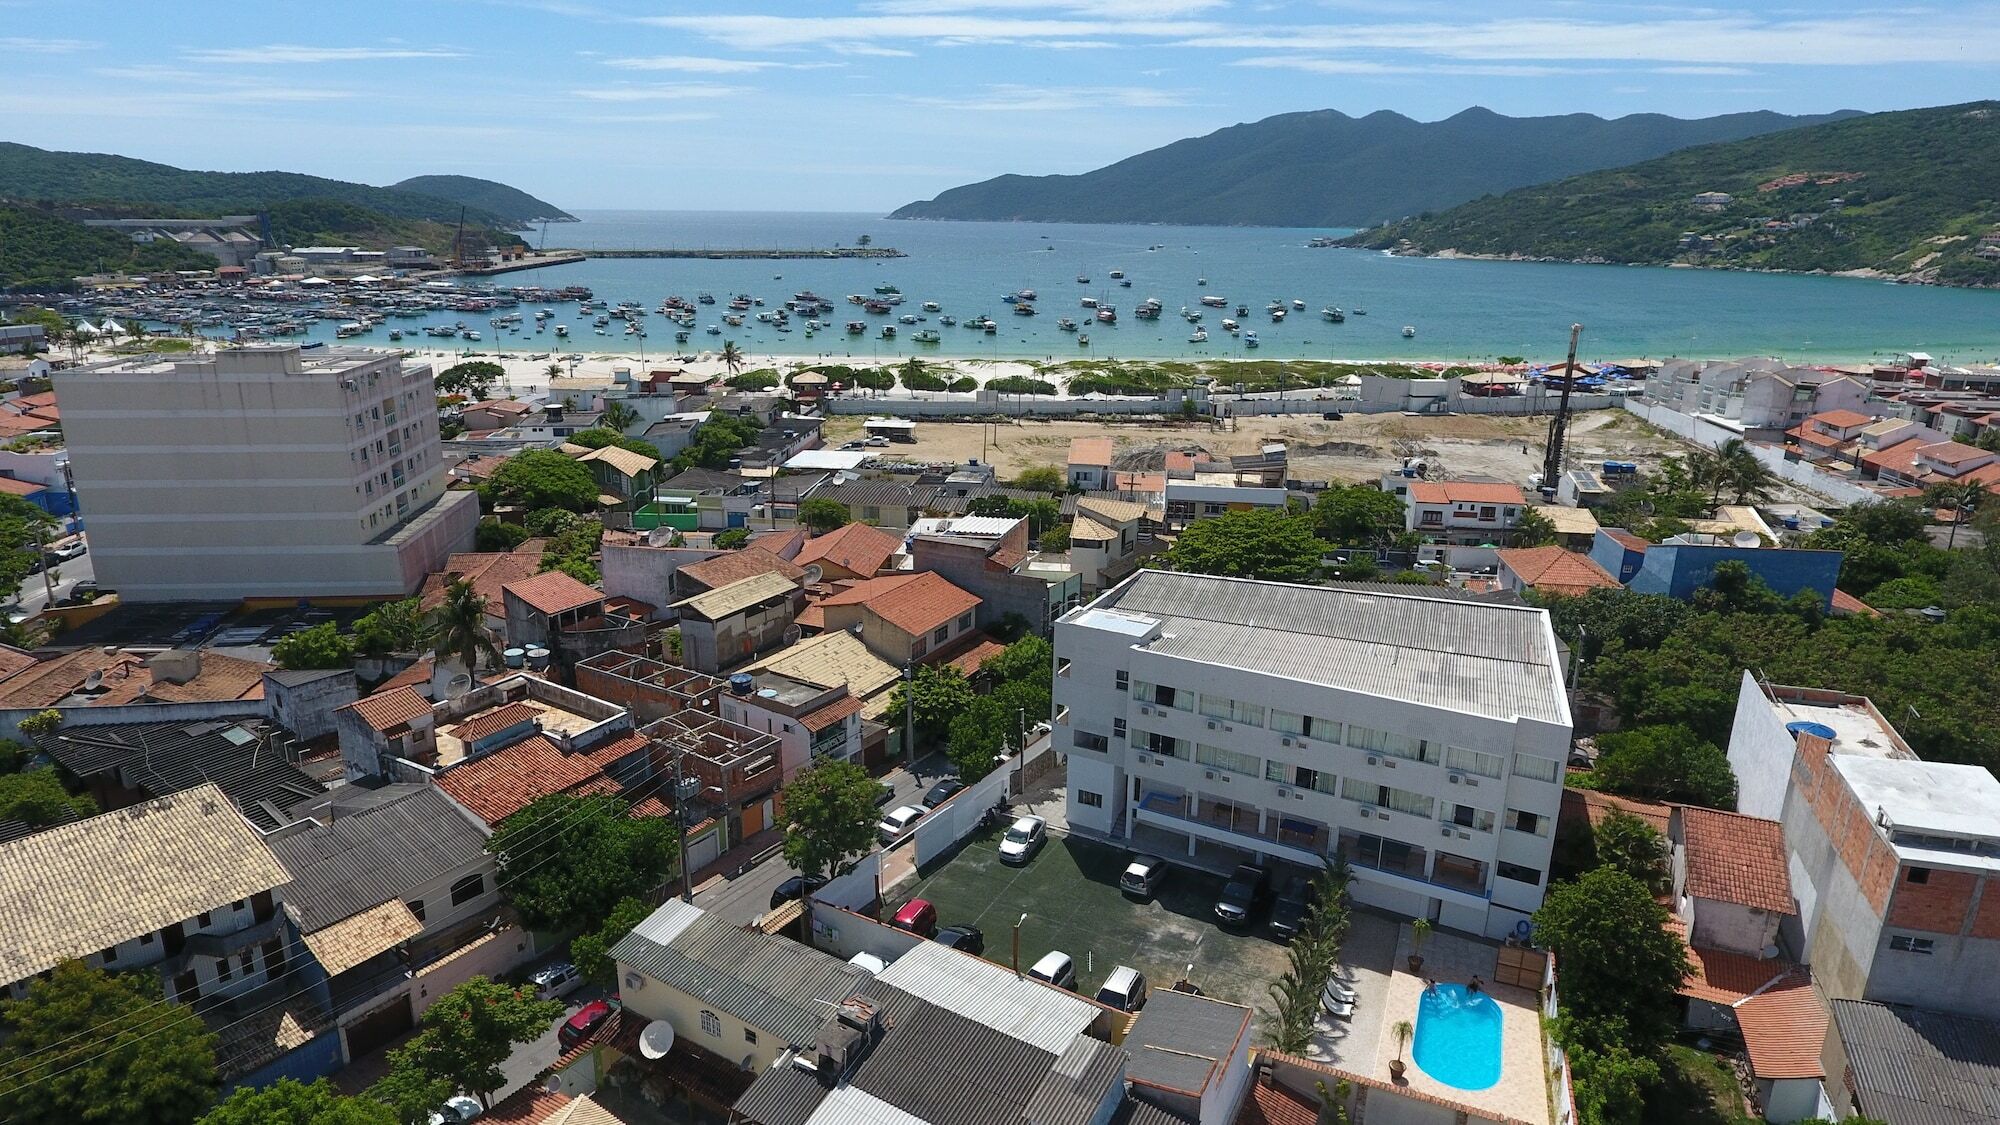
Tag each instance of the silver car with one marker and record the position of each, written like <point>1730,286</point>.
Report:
<point>1023,839</point>
<point>559,979</point>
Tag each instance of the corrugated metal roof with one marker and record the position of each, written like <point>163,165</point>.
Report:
<point>363,859</point>
<point>851,1105</point>
<point>1495,660</point>
<point>1916,1067</point>
<point>1074,1089</point>
<point>1022,1007</point>
<point>947,1069</point>
<point>774,984</point>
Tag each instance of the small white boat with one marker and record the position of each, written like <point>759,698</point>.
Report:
<point>1249,339</point>
<point>1409,332</point>
<point>1200,336</point>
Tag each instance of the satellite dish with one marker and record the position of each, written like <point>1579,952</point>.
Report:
<point>1748,538</point>
<point>657,1039</point>
<point>553,1084</point>
<point>814,574</point>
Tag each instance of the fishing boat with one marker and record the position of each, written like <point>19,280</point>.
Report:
<point>1215,302</point>
<point>990,327</point>
<point>350,329</point>
<point>932,306</point>
<point>1200,336</point>
<point>1409,332</point>
<point>1243,310</point>
<point>908,318</point>
<point>876,307</point>
<point>856,327</point>
<point>1298,305</point>
<point>1277,316</point>
<point>1010,298</point>
<point>947,321</point>
<point>704,298</point>
<point>1026,294</point>
<point>1081,279</point>
<point>1107,314</point>
<point>713,330</point>
<point>1125,283</point>
<point>1249,339</point>
<point>888,332</point>
<point>1066,324</point>
<point>1149,309</point>
<point>470,334</point>
<point>1024,309</point>
<point>1360,312</point>
<point>1332,314</point>
<point>562,330</point>
<point>1117,274</point>
<point>887,289</point>
<point>927,337</point>
<point>681,337</point>
<point>1083,341</point>
<point>1201,281</point>
<point>395,333</point>
<point>1228,325</point>
<point>1088,302</point>
<point>733,320</point>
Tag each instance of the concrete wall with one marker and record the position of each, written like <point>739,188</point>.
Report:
<point>1706,432</point>
<point>315,1058</point>
<point>647,573</point>
<point>941,830</point>
<point>490,956</point>
<point>307,710</point>
<point>10,718</point>
<point>843,933</point>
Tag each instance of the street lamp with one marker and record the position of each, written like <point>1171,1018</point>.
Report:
<point>1017,943</point>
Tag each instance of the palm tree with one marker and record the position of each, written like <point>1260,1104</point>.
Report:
<point>458,628</point>
<point>619,416</point>
<point>1745,477</point>
<point>913,369</point>
<point>1962,498</point>
<point>732,356</point>
<point>553,370</point>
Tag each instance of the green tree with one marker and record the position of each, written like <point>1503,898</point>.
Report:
<point>37,798</point>
<point>1041,513</point>
<point>1611,1083</point>
<point>1311,958</point>
<point>597,437</point>
<point>1357,516</point>
<point>1255,543</point>
<point>41,724</point>
<point>1625,842</point>
<point>473,378</point>
<point>1621,968</point>
<point>289,1102</point>
<point>567,861</point>
<point>820,515</point>
<point>734,539</point>
<point>411,1092</point>
<point>831,809</point>
<point>492,535</point>
<point>619,416</point>
<point>399,626</point>
<point>1032,659</point>
<point>1665,763</point>
<point>1974,577</point>
<point>91,1046</point>
<point>1533,529</point>
<point>458,629</point>
<point>977,736</point>
<point>731,356</point>
<point>591,952</point>
<point>1883,522</point>
<point>23,529</point>
<point>543,478</point>
<point>1055,540</point>
<point>716,441</point>
<point>1042,478</point>
<point>321,646</point>
<point>931,699</point>
<point>471,1030</point>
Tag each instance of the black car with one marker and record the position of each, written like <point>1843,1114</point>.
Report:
<point>943,791</point>
<point>1248,885</point>
<point>1294,901</point>
<point>966,939</point>
<point>798,886</point>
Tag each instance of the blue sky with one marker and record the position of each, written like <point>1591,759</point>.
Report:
<point>867,104</point>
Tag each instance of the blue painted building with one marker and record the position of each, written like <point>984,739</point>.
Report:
<point>1679,569</point>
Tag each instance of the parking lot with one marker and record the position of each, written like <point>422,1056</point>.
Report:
<point>1070,893</point>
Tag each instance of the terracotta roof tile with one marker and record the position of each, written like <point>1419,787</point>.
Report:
<point>1090,451</point>
<point>735,566</point>
<point>488,571</point>
<point>385,711</point>
<point>1555,570</point>
<point>530,1105</point>
<point>968,662</point>
<point>830,714</point>
<point>606,753</point>
<point>857,548</point>
<point>497,785</point>
<point>1736,858</point>
<point>1465,492</point>
<point>915,603</point>
<point>1952,453</point>
<point>1723,977</point>
<point>1276,1105</point>
<point>1845,603</point>
<point>494,721</point>
<point>1901,457</point>
<point>1840,419</point>
<point>1117,511</point>
<point>627,462</point>
<point>553,592</point>
<point>21,487</point>
<point>1784,1029</point>
<point>1595,806</point>
<point>14,660</point>
<point>1627,540</point>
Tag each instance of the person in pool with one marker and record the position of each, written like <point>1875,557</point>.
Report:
<point>1476,986</point>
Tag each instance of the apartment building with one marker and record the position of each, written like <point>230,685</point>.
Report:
<point>1894,861</point>
<point>262,472</point>
<point>1421,738</point>
<point>1766,396</point>
<point>1463,511</point>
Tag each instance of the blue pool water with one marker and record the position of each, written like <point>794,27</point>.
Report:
<point>1458,1037</point>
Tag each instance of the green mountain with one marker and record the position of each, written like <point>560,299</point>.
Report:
<point>1325,168</point>
<point>40,251</point>
<point>97,178</point>
<point>511,204</point>
<point>1904,194</point>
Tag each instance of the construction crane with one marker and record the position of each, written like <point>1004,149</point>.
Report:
<point>1552,456</point>
<point>458,241</point>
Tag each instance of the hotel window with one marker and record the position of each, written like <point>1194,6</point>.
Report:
<point>1518,873</point>
<point>1487,512</point>
<point>1123,680</point>
<point>1088,799</point>
<point>1308,726</point>
<point>1229,760</point>
<point>1232,710</point>
<point>1472,761</point>
<point>1118,728</point>
<point>1163,745</point>
<point>941,634</point>
<point>1394,745</point>
<point>1388,797</point>
<point>710,1023</point>
<point>1466,816</point>
<point>1536,769</point>
<point>1534,824</point>
<point>1904,943</point>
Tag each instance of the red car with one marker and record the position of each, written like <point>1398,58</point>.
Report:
<point>918,916</point>
<point>585,1021</point>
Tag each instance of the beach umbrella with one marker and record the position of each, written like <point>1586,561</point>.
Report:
<point>85,328</point>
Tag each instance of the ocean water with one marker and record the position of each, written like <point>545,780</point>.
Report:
<point>1460,309</point>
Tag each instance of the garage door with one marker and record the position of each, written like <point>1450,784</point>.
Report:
<point>378,1027</point>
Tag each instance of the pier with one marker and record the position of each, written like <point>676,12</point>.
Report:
<point>735,255</point>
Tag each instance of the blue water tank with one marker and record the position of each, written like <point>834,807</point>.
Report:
<point>1818,730</point>
<point>740,683</point>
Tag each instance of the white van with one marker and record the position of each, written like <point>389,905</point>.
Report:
<point>1124,989</point>
<point>1056,968</point>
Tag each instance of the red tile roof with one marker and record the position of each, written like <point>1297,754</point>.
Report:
<point>1722,977</point>
<point>858,549</point>
<point>1555,570</point>
<point>984,649</point>
<point>1784,1030</point>
<point>1090,451</point>
<point>1840,419</point>
<point>530,1105</point>
<point>488,571</point>
<point>830,714</point>
<point>1627,540</point>
<point>1276,1105</point>
<point>1464,492</point>
<point>1845,604</point>
<point>553,592</point>
<point>1952,453</point>
<point>915,603</point>
<point>608,752</point>
<point>1900,457</point>
<point>21,487</point>
<point>1736,858</point>
<point>735,566</point>
<point>493,722</point>
<point>497,785</point>
<point>1595,806</point>
<point>13,660</point>
<point>386,711</point>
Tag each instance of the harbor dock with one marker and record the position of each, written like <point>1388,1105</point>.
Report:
<point>728,255</point>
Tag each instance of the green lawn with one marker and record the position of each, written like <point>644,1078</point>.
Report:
<point>1697,1089</point>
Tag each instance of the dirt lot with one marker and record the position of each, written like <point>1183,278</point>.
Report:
<point>1357,448</point>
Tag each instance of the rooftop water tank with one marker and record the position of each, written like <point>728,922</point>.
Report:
<point>514,657</point>
<point>538,657</point>
<point>1817,730</point>
<point>739,684</point>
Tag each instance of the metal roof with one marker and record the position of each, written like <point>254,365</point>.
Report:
<point>159,759</point>
<point>774,984</point>
<point>1494,660</point>
<point>1077,1085</point>
<point>947,1069</point>
<point>1182,1041</point>
<point>1917,1067</point>
<point>1021,1007</point>
<point>365,858</point>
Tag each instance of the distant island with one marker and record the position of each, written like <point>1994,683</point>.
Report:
<point>45,196</point>
<point>1908,195</point>
<point>1324,168</point>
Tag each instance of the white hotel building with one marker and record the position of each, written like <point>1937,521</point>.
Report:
<point>1423,737</point>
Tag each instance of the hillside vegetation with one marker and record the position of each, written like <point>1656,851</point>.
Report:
<point>1906,194</point>
<point>512,205</point>
<point>40,251</point>
<point>1324,168</point>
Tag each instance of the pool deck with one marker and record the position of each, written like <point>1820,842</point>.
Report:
<point>1522,1093</point>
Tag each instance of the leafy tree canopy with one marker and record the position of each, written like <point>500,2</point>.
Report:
<point>543,478</point>
<point>473,1029</point>
<point>91,1046</point>
<point>733,539</point>
<point>398,626</point>
<point>590,952</point>
<point>1629,844</point>
<point>472,378</point>
<point>716,441</point>
<point>1042,478</point>
<point>597,437</point>
<point>933,697</point>
<point>1665,763</point>
<point>37,798</point>
<point>1254,543</point>
<point>567,861</point>
<point>831,807</point>
<point>820,515</point>
<point>1357,516</point>
<point>493,535</point>
<point>289,1102</point>
<point>322,646</point>
<point>1620,966</point>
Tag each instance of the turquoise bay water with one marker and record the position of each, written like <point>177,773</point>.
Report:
<point>1460,309</point>
<point>1458,1037</point>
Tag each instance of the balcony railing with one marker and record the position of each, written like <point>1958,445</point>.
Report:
<point>1241,820</point>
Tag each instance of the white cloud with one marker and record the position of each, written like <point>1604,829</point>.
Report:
<point>1726,70</point>
<point>760,32</point>
<point>1011,98</point>
<point>870,51</point>
<point>295,54</point>
<point>675,91</point>
<point>1365,67</point>
<point>695,64</point>
<point>33,46</point>
<point>1094,9</point>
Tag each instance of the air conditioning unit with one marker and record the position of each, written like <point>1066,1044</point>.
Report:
<point>1446,832</point>
<point>1465,835</point>
<point>1227,727</point>
<point>1472,783</point>
<point>1284,742</point>
<point>1283,792</point>
<point>1389,763</point>
<point>1458,779</point>
<point>1208,775</point>
<point>1211,724</point>
<point>1298,796</point>
<point>1373,760</point>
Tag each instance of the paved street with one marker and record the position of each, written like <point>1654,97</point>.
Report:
<point>34,590</point>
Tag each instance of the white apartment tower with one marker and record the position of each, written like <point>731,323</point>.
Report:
<point>1423,737</point>
<point>262,472</point>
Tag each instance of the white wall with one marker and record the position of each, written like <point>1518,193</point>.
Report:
<point>943,827</point>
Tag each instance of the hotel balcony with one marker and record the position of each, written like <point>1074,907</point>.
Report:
<point>1239,826</point>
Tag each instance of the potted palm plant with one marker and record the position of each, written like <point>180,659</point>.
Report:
<point>1403,1030</point>
<point>1419,930</point>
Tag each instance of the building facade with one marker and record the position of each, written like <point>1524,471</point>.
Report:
<point>1215,719</point>
<point>262,472</point>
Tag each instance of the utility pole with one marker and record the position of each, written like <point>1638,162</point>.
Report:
<point>680,827</point>
<point>1552,458</point>
<point>909,711</point>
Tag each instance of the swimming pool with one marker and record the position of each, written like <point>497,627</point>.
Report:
<point>1458,1037</point>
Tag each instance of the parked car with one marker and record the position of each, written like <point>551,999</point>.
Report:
<point>583,1023</point>
<point>796,887</point>
<point>877,442</point>
<point>898,823</point>
<point>943,791</point>
<point>456,1111</point>
<point>1124,989</point>
<point>884,793</point>
<point>1288,913</point>
<point>918,916</point>
<point>559,979</point>
<point>1143,876</point>
<point>1023,840</point>
<point>1248,886</point>
<point>1056,968</point>
<point>966,939</point>
<point>63,552</point>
